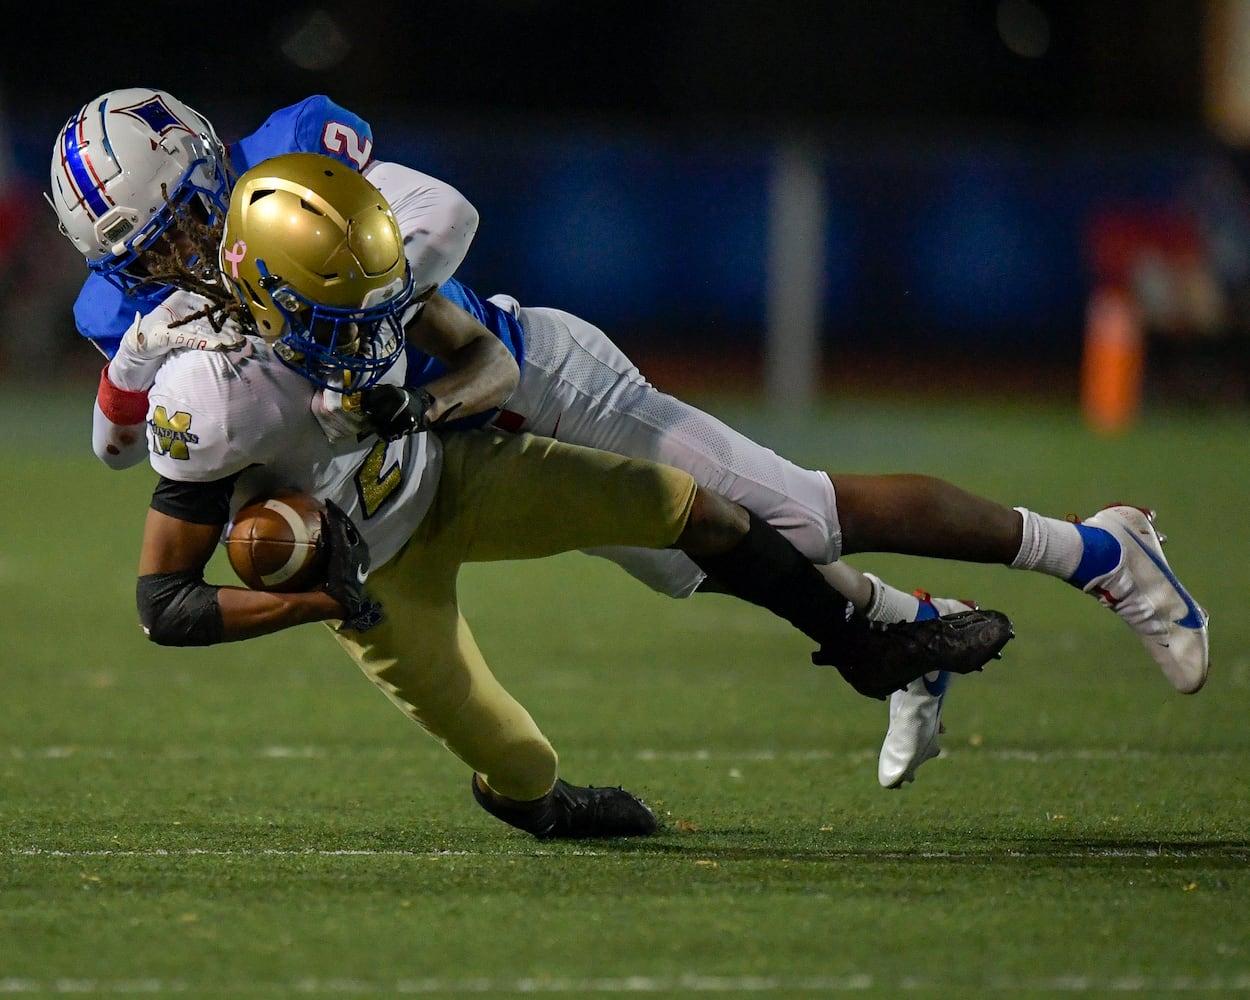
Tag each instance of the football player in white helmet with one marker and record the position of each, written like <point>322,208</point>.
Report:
<point>128,163</point>
<point>317,261</point>
<point>130,319</point>
<point>123,166</point>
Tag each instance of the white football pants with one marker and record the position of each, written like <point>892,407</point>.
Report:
<point>578,386</point>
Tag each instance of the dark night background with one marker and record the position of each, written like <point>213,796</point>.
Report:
<point>967,147</point>
<point>706,63</point>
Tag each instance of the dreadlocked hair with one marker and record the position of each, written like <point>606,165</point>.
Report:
<point>193,269</point>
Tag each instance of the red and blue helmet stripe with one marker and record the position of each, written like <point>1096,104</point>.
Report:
<point>82,174</point>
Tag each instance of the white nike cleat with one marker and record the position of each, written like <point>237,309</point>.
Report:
<point>1143,590</point>
<point>915,722</point>
<point>916,714</point>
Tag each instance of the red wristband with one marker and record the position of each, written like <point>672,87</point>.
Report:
<point>121,406</point>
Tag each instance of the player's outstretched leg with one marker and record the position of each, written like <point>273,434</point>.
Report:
<point>571,812</point>
<point>916,710</point>
<point>1124,567</point>
<point>752,560</point>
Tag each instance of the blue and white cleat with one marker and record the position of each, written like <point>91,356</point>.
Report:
<point>916,711</point>
<point>1142,589</point>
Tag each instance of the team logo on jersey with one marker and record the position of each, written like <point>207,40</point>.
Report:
<point>172,435</point>
<point>155,114</point>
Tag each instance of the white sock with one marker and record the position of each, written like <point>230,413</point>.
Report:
<point>889,604</point>
<point>1049,545</point>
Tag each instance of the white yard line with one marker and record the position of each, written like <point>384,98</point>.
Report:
<point>689,983</point>
<point>697,755</point>
<point>1143,851</point>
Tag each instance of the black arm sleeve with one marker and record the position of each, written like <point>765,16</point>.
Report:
<point>179,609</point>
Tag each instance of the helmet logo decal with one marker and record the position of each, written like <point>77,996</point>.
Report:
<point>343,140</point>
<point>79,169</point>
<point>155,114</point>
<point>235,256</point>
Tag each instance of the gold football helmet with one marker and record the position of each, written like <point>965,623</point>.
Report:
<point>313,251</point>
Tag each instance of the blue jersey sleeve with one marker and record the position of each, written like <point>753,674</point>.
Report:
<point>314,125</point>
<point>103,313</point>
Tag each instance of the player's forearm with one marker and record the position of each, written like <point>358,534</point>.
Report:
<point>246,614</point>
<point>181,609</point>
<point>481,376</point>
<point>117,445</point>
<point>480,372</point>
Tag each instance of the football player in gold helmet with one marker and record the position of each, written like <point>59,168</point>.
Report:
<point>406,510</point>
<point>128,154</point>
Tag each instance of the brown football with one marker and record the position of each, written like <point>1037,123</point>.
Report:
<point>276,543</point>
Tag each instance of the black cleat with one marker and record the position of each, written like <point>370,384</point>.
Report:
<point>571,812</point>
<point>877,659</point>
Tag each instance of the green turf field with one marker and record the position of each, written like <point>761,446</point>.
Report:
<point>256,820</point>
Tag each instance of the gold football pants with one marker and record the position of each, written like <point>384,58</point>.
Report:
<point>500,496</point>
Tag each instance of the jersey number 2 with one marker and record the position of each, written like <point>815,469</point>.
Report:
<point>375,480</point>
<point>346,141</point>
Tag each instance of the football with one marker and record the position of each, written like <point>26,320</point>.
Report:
<point>276,543</point>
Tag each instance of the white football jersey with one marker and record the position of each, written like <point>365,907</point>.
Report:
<point>213,414</point>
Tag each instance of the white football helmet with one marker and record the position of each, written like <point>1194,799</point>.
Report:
<point>117,167</point>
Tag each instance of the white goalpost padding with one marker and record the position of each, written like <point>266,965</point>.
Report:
<point>794,282</point>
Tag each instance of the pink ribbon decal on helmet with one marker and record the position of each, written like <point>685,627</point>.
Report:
<point>235,254</point>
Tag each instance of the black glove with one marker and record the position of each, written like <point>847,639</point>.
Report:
<point>347,568</point>
<point>395,411</point>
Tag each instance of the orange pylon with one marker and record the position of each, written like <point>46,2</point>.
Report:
<point>1113,365</point>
